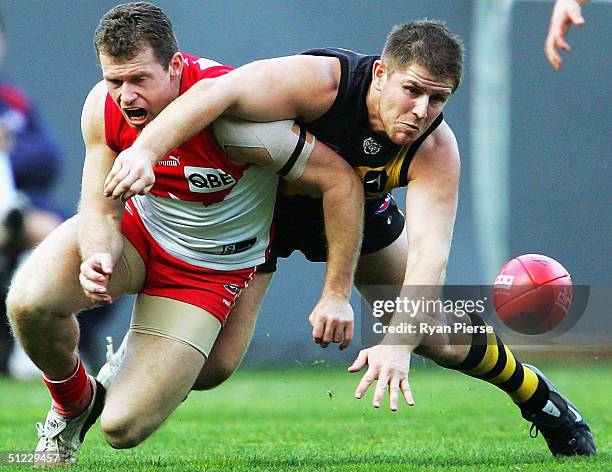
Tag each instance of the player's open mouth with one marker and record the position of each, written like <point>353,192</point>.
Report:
<point>136,115</point>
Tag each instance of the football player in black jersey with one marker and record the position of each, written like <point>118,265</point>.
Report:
<point>384,116</point>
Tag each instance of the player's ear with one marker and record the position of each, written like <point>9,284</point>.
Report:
<point>379,72</point>
<point>176,65</point>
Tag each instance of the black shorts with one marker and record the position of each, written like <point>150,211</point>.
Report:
<point>299,227</point>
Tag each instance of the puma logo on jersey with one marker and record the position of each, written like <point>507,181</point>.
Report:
<point>172,161</point>
<point>208,180</point>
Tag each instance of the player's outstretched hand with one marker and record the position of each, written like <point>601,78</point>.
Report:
<point>94,276</point>
<point>389,365</point>
<point>565,14</point>
<point>132,174</point>
<point>332,320</point>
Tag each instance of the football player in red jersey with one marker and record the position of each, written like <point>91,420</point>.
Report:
<point>384,116</point>
<point>187,249</point>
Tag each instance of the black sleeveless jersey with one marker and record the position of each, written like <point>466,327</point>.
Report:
<point>381,164</point>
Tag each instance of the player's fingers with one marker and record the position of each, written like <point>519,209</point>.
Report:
<point>550,48</point>
<point>93,291</point>
<point>364,384</point>
<point>91,286</point>
<point>348,335</point>
<point>147,189</point>
<point>562,44</point>
<point>318,327</point>
<point>92,273</point>
<point>141,186</point>
<point>120,187</point>
<point>381,388</point>
<point>328,333</point>
<point>137,187</point>
<point>359,362</point>
<point>553,57</point>
<point>106,262</point>
<point>124,185</point>
<point>394,391</point>
<point>116,175</point>
<point>98,298</point>
<point>405,388</point>
<point>575,14</point>
<point>120,177</point>
<point>113,172</point>
<point>338,332</point>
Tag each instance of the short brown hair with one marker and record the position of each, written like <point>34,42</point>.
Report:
<point>127,29</point>
<point>428,43</point>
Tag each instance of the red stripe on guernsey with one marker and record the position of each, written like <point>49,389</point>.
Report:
<point>15,98</point>
<point>196,171</point>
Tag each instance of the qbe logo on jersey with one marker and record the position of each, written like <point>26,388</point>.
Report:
<point>207,179</point>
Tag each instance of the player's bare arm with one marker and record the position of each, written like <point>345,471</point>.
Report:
<point>431,206</point>
<point>100,218</point>
<point>565,14</point>
<point>326,172</point>
<point>332,318</point>
<point>274,89</point>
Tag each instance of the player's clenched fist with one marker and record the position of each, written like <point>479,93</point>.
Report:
<point>332,321</point>
<point>131,174</point>
<point>94,276</point>
<point>389,365</point>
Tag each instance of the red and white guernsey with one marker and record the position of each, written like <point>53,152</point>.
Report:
<point>203,209</point>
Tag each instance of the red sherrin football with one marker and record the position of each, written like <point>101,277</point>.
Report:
<point>532,294</point>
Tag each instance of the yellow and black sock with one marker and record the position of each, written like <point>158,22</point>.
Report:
<point>489,359</point>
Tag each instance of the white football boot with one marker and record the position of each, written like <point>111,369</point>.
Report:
<point>60,439</point>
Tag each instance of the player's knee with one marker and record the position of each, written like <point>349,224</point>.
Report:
<point>23,305</point>
<point>124,431</point>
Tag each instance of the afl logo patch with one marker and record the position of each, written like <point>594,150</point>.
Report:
<point>371,147</point>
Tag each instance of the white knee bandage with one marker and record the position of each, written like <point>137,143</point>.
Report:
<point>288,145</point>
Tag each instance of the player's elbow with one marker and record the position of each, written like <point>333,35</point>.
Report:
<point>91,212</point>
<point>343,180</point>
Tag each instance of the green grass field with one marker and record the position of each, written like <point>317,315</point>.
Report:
<point>307,419</point>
